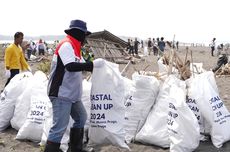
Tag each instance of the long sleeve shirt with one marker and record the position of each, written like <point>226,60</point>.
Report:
<point>66,73</point>
<point>14,58</point>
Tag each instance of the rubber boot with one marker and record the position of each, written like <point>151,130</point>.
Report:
<point>76,141</point>
<point>52,147</point>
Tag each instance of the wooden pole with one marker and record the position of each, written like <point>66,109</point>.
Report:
<point>127,65</point>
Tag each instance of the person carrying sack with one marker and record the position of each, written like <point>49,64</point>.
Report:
<point>65,88</point>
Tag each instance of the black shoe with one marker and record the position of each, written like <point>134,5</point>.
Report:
<point>52,147</point>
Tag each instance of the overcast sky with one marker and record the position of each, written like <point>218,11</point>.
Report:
<point>189,20</point>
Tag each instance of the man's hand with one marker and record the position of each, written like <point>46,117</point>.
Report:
<point>97,63</point>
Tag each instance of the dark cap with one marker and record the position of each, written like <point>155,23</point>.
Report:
<point>78,24</point>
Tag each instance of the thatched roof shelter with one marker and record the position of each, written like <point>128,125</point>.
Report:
<point>108,46</point>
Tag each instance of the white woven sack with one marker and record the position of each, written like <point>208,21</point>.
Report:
<point>192,104</point>
<point>183,127</point>
<point>38,109</point>
<point>142,97</point>
<point>107,107</point>
<point>205,92</point>
<point>155,129</point>
<point>9,96</point>
<point>87,104</point>
<point>22,106</point>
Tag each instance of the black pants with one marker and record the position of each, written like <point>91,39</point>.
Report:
<point>13,72</point>
<point>131,51</point>
<point>212,50</point>
<point>29,52</point>
<point>155,50</point>
<point>41,52</point>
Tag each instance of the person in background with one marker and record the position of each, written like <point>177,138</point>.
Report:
<point>34,51</point>
<point>213,45</point>
<point>142,44</point>
<point>41,47</point>
<point>136,44</point>
<point>161,45</point>
<point>88,57</point>
<point>149,45</point>
<point>177,45</point>
<point>25,45</point>
<point>65,88</point>
<point>14,58</point>
<point>155,49</point>
<point>158,40</point>
<point>128,46</point>
<point>131,47</point>
<point>50,51</point>
<point>30,49</point>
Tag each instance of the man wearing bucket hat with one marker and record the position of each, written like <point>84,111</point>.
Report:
<point>65,88</point>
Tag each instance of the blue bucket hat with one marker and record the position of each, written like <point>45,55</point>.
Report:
<point>78,24</point>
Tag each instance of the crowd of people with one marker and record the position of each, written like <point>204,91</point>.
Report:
<point>32,48</point>
<point>37,49</point>
<point>155,46</point>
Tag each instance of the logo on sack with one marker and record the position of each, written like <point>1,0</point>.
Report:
<point>96,97</point>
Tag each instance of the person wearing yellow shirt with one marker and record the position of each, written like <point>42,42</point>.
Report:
<point>14,58</point>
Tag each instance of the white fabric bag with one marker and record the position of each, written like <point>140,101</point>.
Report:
<point>205,91</point>
<point>183,127</point>
<point>86,99</point>
<point>155,129</point>
<point>38,109</point>
<point>142,97</point>
<point>22,106</point>
<point>87,104</point>
<point>107,107</point>
<point>128,85</point>
<point>162,67</point>
<point>9,95</point>
<point>192,104</point>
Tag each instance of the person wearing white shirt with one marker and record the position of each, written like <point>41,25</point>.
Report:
<point>213,45</point>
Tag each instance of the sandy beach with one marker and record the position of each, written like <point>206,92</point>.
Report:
<point>200,55</point>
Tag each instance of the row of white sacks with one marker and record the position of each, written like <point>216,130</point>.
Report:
<point>167,113</point>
